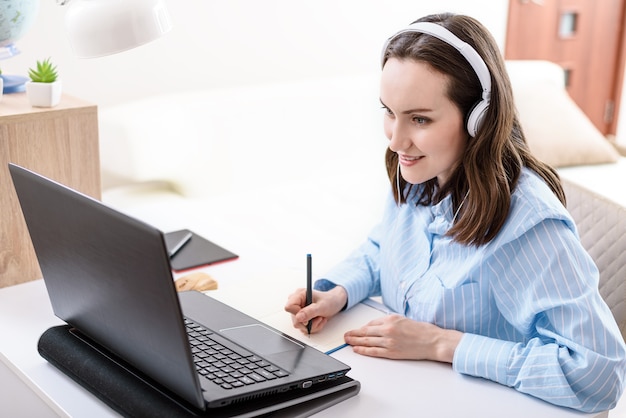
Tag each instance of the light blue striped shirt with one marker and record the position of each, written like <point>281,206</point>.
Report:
<point>528,301</point>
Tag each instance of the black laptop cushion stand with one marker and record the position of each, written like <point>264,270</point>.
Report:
<point>130,396</point>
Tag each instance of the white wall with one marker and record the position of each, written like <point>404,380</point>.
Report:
<point>220,43</point>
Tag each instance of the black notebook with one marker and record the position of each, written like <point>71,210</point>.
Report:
<point>191,250</point>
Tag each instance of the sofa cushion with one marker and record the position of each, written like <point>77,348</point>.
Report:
<point>559,133</point>
<point>557,130</point>
<point>220,141</point>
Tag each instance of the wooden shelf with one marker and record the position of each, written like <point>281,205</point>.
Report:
<point>59,142</point>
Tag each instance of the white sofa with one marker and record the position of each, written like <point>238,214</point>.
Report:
<point>296,168</point>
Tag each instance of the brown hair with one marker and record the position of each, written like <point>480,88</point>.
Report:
<point>493,159</point>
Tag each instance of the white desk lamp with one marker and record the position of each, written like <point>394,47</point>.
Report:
<point>96,28</point>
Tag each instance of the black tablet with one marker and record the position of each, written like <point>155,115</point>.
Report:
<point>189,250</point>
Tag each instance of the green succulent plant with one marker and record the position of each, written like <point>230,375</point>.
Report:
<point>45,72</point>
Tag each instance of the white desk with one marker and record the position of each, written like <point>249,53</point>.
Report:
<point>389,387</point>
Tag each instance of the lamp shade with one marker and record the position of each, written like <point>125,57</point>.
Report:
<point>102,27</point>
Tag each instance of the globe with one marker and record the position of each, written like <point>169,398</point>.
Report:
<point>16,17</point>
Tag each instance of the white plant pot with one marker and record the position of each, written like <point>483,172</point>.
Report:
<point>43,94</point>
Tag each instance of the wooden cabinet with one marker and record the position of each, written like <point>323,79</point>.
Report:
<point>60,143</point>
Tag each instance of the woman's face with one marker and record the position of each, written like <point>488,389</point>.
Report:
<point>424,127</point>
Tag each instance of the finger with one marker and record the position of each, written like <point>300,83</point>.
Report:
<point>301,319</point>
<point>296,297</point>
<point>363,341</point>
<point>307,314</point>
<point>318,323</point>
<point>370,351</point>
<point>295,301</point>
<point>365,331</point>
<point>292,308</point>
<point>359,332</point>
<point>299,325</point>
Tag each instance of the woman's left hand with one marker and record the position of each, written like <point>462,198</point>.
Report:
<point>397,337</point>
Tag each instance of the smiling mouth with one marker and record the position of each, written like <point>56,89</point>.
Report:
<point>405,159</point>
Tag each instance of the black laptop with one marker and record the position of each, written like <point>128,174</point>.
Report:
<point>108,275</point>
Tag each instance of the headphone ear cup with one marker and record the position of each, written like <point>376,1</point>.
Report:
<point>476,116</point>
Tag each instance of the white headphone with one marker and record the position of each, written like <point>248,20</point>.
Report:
<point>478,111</point>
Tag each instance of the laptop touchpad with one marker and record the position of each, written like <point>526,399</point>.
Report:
<point>260,339</point>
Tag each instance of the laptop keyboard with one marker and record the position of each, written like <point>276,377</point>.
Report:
<point>226,364</point>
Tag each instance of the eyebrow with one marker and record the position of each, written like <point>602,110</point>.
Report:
<point>409,111</point>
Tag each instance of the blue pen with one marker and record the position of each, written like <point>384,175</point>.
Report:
<point>309,288</point>
<point>332,350</point>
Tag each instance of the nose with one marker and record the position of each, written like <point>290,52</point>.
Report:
<point>399,138</point>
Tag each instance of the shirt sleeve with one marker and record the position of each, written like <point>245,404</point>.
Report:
<point>572,353</point>
<point>359,273</point>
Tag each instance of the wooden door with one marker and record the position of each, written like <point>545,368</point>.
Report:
<point>586,38</point>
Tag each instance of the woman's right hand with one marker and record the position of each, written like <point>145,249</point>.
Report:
<point>325,305</point>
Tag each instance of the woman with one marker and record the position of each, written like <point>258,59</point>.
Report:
<point>476,252</point>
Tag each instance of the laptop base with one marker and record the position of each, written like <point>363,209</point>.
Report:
<point>129,395</point>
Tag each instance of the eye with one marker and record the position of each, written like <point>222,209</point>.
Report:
<point>419,120</point>
<point>387,111</point>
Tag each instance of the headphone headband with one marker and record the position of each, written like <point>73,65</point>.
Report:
<point>471,56</point>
